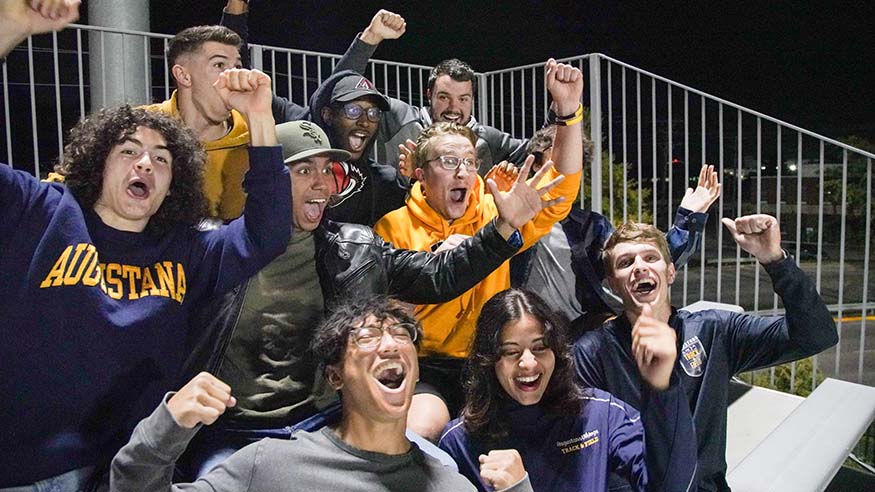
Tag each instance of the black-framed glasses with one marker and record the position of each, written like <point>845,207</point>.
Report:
<point>353,111</point>
<point>369,337</point>
<point>451,162</point>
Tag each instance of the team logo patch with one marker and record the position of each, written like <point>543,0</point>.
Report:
<point>348,181</point>
<point>576,444</point>
<point>310,131</point>
<point>693,357</point>
<point>364,83</point>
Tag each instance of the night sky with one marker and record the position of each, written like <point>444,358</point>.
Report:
<point>811,66</point>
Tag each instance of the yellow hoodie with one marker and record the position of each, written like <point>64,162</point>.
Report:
<point>227,163</point>
<point>449,327</point>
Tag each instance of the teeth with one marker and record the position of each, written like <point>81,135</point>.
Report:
<point>317,200</point>
<point>388,366</point>
<point>528,379</point>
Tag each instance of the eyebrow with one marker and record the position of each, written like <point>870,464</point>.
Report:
<point>138,142</point>
<point>460,95</point>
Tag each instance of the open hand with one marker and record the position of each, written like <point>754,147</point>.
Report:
<point>504,174</point>
<point>706,193</point>
<point>519,205</point>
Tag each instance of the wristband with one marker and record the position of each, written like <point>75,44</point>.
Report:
<point>572,119</point>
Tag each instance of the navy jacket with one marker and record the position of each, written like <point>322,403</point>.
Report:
<point>713,346</point>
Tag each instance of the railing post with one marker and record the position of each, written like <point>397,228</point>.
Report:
<point>126,80</point>
<point>482,103</point>
<point>595,124</point>
<point>255,58</point>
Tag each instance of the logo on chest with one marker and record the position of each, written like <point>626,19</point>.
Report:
<point>578,443</point>
<point>693,357</point>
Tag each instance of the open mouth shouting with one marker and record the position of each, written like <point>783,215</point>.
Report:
<point>357,140</point>
<point>313,209</point>
<point>391,376</point>
<point>138,189</point>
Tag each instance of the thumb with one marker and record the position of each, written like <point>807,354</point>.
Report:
<point>647,310</point>
<point>493,188</point>
<point>730,224</point>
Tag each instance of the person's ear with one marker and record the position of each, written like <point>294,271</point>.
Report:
<point>335,380</point>
<point>419,173</point>
<point>181,75</point>
<point>671,273</point>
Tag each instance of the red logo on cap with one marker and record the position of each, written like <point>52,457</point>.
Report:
<point>364,83</point>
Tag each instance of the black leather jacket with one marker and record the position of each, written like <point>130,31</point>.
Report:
<point>353,261</point>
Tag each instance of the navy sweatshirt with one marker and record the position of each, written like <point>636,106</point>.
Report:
<point>712,347</point>
<point>95,320</point>
<point>578,452</point>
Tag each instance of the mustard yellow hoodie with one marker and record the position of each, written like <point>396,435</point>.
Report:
<point>449,327</point>
<point>227,163</point>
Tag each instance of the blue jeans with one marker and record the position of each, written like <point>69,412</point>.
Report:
<point>73,480</point>
<point>218,444</point>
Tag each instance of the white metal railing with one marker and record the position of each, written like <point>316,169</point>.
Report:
<point>819,188</point>
<point>664,131</point>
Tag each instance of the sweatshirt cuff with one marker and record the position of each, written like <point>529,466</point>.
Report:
<point>265,160</point>
<point>784,266</point>
<point>165,435</point>
<point>524,485</point>
<point>689,220</point>
<point>494,240</point>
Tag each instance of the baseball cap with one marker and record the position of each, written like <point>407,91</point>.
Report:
<point>302,139</point>
<point>355,86</point>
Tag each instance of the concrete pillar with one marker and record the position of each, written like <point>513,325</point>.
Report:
<point>119,69</point>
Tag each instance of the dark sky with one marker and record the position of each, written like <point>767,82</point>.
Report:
<point>809,65</point>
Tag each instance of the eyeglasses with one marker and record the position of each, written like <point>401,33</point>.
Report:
<point>451,162</point>
<point>354,112</point>
<point>369,337</point>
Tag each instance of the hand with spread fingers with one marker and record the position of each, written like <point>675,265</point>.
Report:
<point>759,235</point>
<point>520,205</point>
<point>502,468</point>
<point>201,401</point>
<point>706,193</point>
<point>384,25</point>
<point>654,347</point>
<point>504,174</point>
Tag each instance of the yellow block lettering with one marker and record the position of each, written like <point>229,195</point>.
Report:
<point>112,270</point>
<point>148,287</point>
<point>132,273</point>
<point>92,272</point>
<point>56,274</point>
<point>165,279</point>
<point>180,286</point>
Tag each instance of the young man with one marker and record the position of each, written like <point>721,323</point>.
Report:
<point>565,267</point>
<point>196,56</point>
<point>449,200</point>
<point>714,345</point>
<point>269,320</point>
<point>103,272</point>
<point>367,350</point>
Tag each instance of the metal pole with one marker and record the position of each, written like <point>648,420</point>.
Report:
<point>119,60</point>
<point>595,120</point>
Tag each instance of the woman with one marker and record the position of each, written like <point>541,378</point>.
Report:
<point>525,412</point>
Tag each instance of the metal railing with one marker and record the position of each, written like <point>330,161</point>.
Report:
<point>650,136</point>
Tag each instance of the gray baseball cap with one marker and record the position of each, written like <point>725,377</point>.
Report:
<point>352,87</point>
<point>302,139</point>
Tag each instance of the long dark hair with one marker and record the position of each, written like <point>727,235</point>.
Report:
<point>484,395</point>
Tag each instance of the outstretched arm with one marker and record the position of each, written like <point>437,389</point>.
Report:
<point>807,326</point>
<point>384,25</point>
<point>22,18</point>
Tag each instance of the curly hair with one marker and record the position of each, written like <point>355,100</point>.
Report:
<point>423,141</point>
<point>190,40</point>
<point>635,232</point>
<point>483,393</point>
<point>330,339</point>
<point>94,137</point>
<point>457,70</point>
